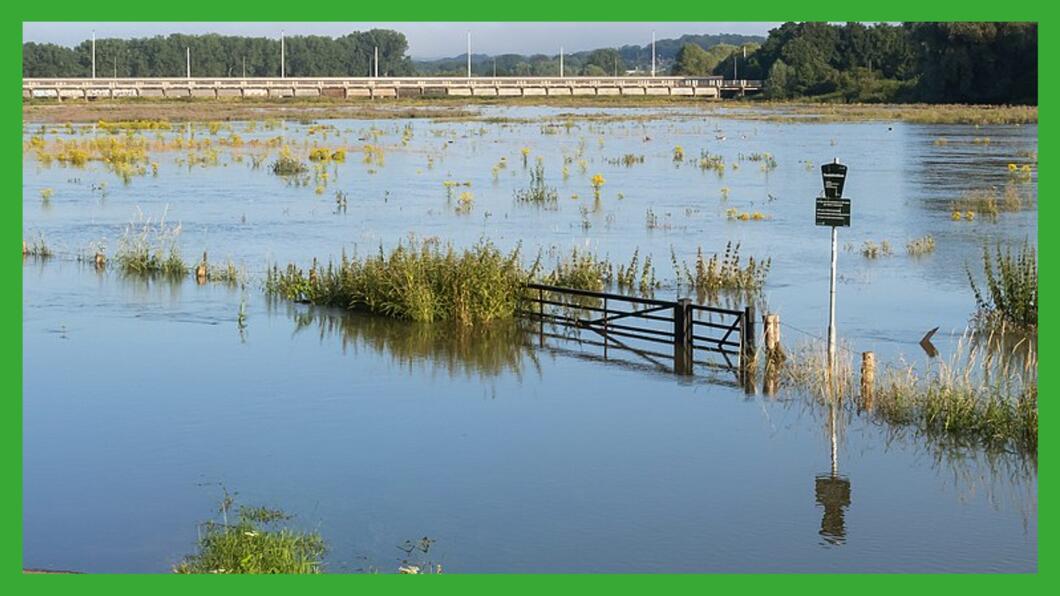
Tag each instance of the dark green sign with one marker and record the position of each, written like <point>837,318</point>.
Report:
<point>834,175</point>
<point>833,212</point>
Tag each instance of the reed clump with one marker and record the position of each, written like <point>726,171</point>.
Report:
<point>581,270</point>
<point>921,246</point>
<point>538,192</point>
<point>989,202</point>
<point>872,250</point>
<point>977,399</point>
<point>254,544</point>
<point>723,272</point>
<point>37,248</point>
<point>418,282</point>
<point>1010,293</point>
<point>151,250</point>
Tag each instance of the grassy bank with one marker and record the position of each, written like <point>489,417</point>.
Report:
<point>466,108</point>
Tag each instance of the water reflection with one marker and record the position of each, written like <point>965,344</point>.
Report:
<point>833,492</point>
<point>486,350</point>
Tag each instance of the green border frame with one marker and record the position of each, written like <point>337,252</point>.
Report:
<point>477,10</point>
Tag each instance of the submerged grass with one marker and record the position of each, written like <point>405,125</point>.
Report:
<point>980,398</point>
<point>977,399</point>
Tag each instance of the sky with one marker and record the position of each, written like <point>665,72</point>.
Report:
<point>426,40</point>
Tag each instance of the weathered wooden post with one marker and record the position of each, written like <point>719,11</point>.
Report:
<point>747,337</point>
<point>683,337</point>
<point>771,333</point>
<point>868,379</point>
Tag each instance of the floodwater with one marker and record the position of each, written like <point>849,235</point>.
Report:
<point>142,399</point>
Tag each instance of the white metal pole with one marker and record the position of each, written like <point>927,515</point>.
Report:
<point>375,71</point>
<point>469,54</point>
<point>187,51</point>
<point>561,62</point>
<point>831,303</point>
<point>244,67</point>
<point>283,57</point>
<point>653,53</point>
<point>93,53</point>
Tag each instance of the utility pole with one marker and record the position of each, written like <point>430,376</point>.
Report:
<point>561,62</point>
<point>244,67</point>
<point>469,54</point>
<point>494,67</point>
<point>376,71</point>
<point>653,53</point>
<point>283,58</point>
<point>734,77</point>
<point>187,51</point>
<point>93,53</point>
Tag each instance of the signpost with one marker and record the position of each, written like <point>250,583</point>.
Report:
<point>834,211</point>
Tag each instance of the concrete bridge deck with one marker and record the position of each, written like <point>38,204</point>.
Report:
<point>370,87</point>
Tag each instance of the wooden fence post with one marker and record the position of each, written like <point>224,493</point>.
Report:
<point>683,337</point>
<point>868,379</point>
<point>771,333</point>
<point>747,337</point>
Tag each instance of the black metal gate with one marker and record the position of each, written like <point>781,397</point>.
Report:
<point>697,334</point>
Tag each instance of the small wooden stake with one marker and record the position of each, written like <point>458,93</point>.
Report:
<point>772,337</point>
<point>868,378</point>
<point>201,271</point>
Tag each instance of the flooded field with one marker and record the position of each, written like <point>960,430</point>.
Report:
<point>514,453</point>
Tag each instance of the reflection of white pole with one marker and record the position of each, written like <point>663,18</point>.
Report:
<point>831,306</point>
<point>93,53</point>
<point>835,450</point>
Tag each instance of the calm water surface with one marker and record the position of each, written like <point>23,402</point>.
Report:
<point>140,399</point>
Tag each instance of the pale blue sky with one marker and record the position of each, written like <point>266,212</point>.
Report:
<point>426,40</point>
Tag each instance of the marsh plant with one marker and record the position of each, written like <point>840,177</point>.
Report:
<point>989,201</point>
<point>872,250</point>
<point>1010,292</point>
<point>921,246</point>
<point>975,399</point>
<point>148,249</point>
<point>419,281</point>
<point>255,542</point>
<point>538,193</point>
<point>37,248</point>
<point>726,271</point>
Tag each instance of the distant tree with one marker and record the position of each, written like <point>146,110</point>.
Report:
<point>776,84</point>
<point>607,60</point>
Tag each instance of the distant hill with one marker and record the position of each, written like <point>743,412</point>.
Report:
<point>629,58</point>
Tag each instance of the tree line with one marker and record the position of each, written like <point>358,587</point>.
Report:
<point>949,62</point>
<point>959,62</point>
<point>223,56</point>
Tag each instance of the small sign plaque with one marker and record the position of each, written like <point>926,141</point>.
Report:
<point>833,212</point>
<point>834,175</point>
